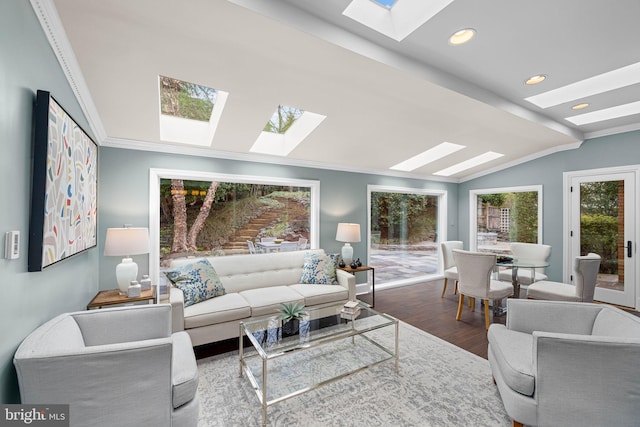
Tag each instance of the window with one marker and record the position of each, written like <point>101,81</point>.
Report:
<point>405,226</point>
<point>503,215</point>
<point>189,112</point>
<point>286,129</point>
<point>207,214</point>
<point>385,3</point>
<point>282,119</point>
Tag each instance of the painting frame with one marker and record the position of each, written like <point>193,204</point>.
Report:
<point>64,191</point>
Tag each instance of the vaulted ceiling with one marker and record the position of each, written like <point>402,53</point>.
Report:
<point>384,100</point>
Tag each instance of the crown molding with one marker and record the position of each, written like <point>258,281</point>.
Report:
<point>47,14</point>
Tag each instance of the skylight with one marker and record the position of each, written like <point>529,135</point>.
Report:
<point>385,3</point>
<point>468,164</point>
<point>189,112</point>
<point>606,114</point>
<point>429,156</point>
<point>286,129</point>
<point>282,119</point>
<point>399,19</point>
<point>605,82</point>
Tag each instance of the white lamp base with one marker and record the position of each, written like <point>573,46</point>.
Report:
<point>126,272</point>
<point>347,253</point>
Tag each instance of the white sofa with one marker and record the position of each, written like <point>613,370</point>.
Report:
<point>255,286</point>
<point>560,363</point>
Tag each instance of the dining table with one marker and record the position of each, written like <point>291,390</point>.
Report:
<point>516,264</point>
<point>269,246</point>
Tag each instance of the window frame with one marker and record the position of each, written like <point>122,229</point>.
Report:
<point>473,209</point>
<point>442,219</point>
<point>155,175</point>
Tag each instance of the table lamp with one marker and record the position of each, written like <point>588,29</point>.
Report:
<point>126,242</point>
<point>348,233</point>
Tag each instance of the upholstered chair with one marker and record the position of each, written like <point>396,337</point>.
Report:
<point>474,280</point>
<point>585,272</point>
<point>450,270</point>
<point>527,252</point>
<point>560,363</point>
<point>113,367</point>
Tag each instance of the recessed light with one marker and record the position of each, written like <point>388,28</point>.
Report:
<point>580,106</point>
<point>462,36</point>
<point>534,80</point>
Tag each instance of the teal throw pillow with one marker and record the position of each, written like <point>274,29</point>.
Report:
<point>319,269</point>
<point>198,281</point>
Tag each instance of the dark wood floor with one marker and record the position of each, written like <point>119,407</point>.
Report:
<point>421,306</point>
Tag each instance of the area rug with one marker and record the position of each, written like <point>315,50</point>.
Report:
<point>438,384</point>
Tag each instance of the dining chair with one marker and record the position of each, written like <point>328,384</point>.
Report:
<point>302,243</point>
<point>288,246</point>
<point>252,247</point>
<point>585,271</point>
<point>474,280</point>
<point>267,239</point>
<point>450,270</point>
<point>527,252</point>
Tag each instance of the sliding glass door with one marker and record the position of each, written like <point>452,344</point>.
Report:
<point>405,226</point>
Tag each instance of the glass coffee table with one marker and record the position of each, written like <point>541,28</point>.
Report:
<point>327,348</point>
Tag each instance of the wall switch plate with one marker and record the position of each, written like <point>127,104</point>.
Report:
<point>12,244</point>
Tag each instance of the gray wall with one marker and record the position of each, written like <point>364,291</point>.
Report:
<point>616,150</point>
<point>124,195</point>
<point>27,63</point>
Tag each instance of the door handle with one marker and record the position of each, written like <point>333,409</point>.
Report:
<point>629,251</point>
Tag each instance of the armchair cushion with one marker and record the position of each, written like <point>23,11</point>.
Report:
<point>184,370</point>
<point>512,351</point>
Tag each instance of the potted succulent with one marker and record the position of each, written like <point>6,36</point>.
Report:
<point>290,315</point>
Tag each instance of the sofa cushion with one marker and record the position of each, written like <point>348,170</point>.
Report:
<point>514,355</point>
<point>319,269</point>
<point>184,370</point>
<point>321,294</point>
<point>266,301</point>
<point>198,281</point>
<point>222,309</point>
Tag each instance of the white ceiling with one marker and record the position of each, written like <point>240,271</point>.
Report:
<point>385,101</point>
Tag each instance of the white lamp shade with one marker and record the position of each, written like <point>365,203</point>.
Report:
<point>348,232</point>
<point>126,241</point>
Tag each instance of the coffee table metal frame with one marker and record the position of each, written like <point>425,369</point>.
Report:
<point>331,335</point>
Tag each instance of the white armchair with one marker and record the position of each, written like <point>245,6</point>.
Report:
<point>114,367</point>
<point>559,363</point>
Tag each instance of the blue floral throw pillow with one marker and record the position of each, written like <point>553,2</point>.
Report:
<point>319,269</point>
<point>198,281</point>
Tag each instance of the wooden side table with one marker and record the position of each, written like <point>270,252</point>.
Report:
<point>373,278</point>
<point>113,297</point>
